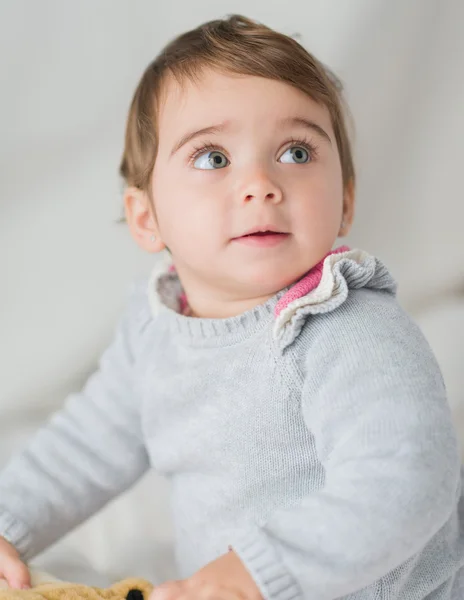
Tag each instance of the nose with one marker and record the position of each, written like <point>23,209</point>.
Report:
<point>259,187</point>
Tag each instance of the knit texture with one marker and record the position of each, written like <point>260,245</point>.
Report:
<point>128,589</point>
<point>313,436</point>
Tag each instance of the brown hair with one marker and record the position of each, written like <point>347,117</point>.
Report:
<point>235,45</point>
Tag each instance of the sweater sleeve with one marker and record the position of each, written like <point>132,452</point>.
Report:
<point>88,453</point>
<point>375,403</point>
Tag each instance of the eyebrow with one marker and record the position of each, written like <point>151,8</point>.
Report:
<point>212,129</point>
<point>302,122</point>
<point>194,134</point>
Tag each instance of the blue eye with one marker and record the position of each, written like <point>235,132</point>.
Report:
<point>295,154</point>
<point>211,160</point>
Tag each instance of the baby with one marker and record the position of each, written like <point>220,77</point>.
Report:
<point>297,411</point>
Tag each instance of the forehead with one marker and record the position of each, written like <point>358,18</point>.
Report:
<point>244,100</point>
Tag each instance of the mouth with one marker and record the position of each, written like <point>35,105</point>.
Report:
<point>262,237</point>
<point>262,232</point>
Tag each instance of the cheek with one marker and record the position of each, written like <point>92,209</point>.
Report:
<point>168,196</point>
<point>317,214</point>
<point>321,193</point>
<point>185,211</point>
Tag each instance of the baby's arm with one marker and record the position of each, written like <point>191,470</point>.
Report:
<point>88,453</point>
<point>375,401</point>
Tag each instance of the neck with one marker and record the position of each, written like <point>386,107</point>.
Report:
<point>209,301</point>
<point>203,305</point>
<point>213,301</point>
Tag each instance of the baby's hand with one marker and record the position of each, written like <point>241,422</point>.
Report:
<point>226,578</point>
<point>12,568</point>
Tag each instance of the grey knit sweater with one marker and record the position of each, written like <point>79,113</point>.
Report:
<point>312,434</point>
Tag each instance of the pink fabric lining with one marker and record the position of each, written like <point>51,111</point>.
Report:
<point>305,285</point>
<point>184,307</point>
<point>183,303</point>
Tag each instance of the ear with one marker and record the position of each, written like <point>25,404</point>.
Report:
<point>141,220</point>
<point>348,209</point>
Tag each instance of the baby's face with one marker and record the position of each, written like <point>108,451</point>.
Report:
<point>243,154</point>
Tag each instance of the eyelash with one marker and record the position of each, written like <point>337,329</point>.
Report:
<point>199,150</point>
<point>301,142</point>
<point>305,143</point>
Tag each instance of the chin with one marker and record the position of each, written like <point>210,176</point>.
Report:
<point>267,280</point>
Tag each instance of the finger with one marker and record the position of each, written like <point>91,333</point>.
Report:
<point>171,590</point>
<point>214,593</point>
<point>16,574</point>
<point>201,590</point>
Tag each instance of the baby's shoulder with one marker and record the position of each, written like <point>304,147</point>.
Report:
<point>346,286</point>
<point>137,314</point>
<point>369,332</point>
<point>352,314</point>
<point>365,314</point>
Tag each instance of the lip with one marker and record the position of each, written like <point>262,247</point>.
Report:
<point>273,238</point>
<point>261,229</point>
